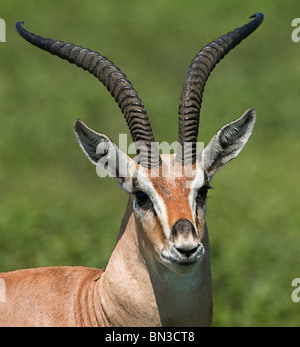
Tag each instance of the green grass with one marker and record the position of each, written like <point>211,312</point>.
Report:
<point>54,210</point>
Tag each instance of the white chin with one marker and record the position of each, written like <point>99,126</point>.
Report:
<point>183,268</point>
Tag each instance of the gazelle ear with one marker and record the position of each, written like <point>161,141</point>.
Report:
<point>228,142</point>
<point>104,153</point>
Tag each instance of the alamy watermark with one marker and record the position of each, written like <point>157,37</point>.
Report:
<point>112,160</point>
<point>2,290</point>
<point>296,292</point>
<point>296,32</point>
<point>2,30</point>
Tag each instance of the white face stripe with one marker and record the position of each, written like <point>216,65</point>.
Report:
<point>160,208</point>
<point>197,183</point>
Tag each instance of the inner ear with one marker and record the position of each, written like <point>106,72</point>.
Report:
<point>233,134</point>
<point>228,142</point>
<point>104,153</point>
<point>90,141</point>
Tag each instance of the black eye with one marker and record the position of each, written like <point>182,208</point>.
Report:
<point>143,199</point>
<point>202,191</point>
<point>202,194</point>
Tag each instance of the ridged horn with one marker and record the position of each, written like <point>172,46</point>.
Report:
<point>117,84</point>
<point>193,88</point>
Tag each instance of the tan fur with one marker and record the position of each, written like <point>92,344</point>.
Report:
<point>175,195</point>
<point>135,289</point>
<point>128,293</point>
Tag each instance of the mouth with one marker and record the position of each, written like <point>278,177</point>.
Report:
<point>174,256</point>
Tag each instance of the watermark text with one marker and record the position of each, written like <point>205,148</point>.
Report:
<point>296,291</point>
<point>114,161</point>
<point>296,32</point>
<point>2,30</point>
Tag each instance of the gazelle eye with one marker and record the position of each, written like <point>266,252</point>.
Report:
<point>143,199</point>
<point>202,194</point>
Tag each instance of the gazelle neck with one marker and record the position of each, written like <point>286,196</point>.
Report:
<point>137,290</point>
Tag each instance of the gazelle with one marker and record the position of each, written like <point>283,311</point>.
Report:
<point>159,271</point>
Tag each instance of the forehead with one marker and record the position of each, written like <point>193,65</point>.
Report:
<point>171,188</point>
<point>179,184</point>
<point>172,178</point>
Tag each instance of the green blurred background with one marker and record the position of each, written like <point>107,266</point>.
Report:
<point>54,210</point>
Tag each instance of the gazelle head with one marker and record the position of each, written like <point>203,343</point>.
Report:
<point>168,191</point>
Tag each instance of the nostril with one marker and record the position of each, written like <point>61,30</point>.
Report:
<point>187,252</point>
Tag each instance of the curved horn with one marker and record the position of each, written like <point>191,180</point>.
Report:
<point>193,88</point>
<point>117,84</point>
